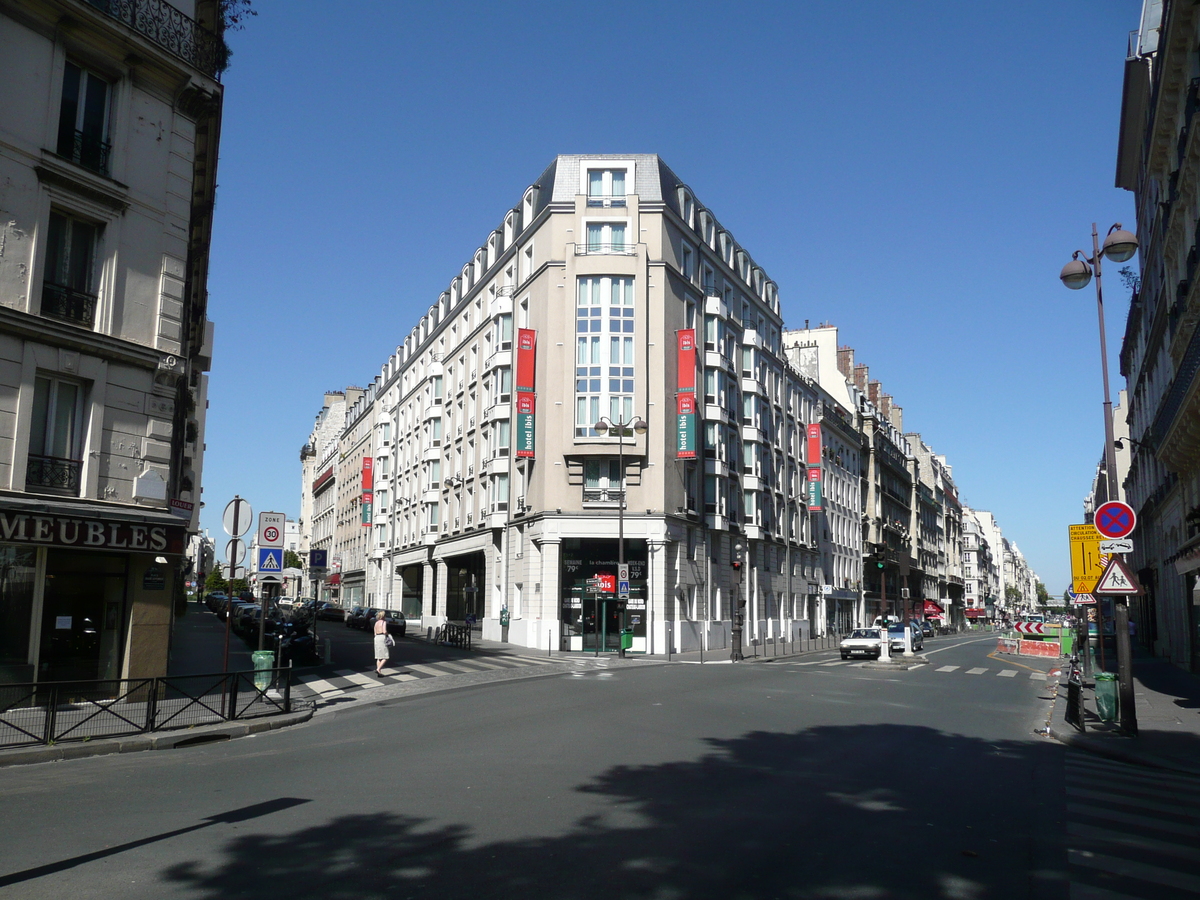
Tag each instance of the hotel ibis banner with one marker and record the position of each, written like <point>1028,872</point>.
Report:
<point>526,358</point>
<point>685,405</point>
<point>526,410</point>
<point>814,490</point>
<point>368,489</point>
<point>686,380</point>
<point>813,457</point>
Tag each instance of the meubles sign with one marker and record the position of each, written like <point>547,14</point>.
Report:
<point>67,531</point>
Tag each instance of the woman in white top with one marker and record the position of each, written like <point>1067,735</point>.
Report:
<point>381,643</point>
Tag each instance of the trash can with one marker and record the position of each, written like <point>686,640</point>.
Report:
<point>626,638</point>
<point>264,661</point>
<point>1106,696</point>
<point>1068,642</point>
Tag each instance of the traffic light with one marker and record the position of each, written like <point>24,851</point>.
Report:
<point>879,563</point>
<point>735,557</point>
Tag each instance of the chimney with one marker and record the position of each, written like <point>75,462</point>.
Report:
<point>874,391</point>
<point>896,417</point>
<point>861,373</point>
<point>845,361</point>
<point>885,406</point>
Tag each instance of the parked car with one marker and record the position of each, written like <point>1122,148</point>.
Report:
<point>861,642</point>
<point>357,617</point>
<point>396,624</point>
<point>327,610</point>
<point>214,600</point>
<point>231,609</point>
<point>926,628</point>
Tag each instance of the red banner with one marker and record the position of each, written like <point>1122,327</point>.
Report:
<point>368,474</point>
<point>814,445</point>
<point>526,358</point>
<point>686,379</point>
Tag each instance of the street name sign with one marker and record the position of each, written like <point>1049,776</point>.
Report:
<point>1117,579</point>
<point>1115,519</point>
<point>238,517</point>
<point>1117,545</point>
<point>1087,562</point>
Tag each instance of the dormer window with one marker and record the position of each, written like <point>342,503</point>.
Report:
<point>606,187</point>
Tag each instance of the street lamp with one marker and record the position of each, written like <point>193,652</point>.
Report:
<point>737,617</point>
<point>1119,246</point>
<point>639,426</point>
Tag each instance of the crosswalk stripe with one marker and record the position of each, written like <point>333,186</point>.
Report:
<point>362,680</point>
<point>321,686</point>
<point>1006,673</point>
<point>1154,777</point>
<point>1133,841</point>
<point>1131,800</point>
<point>1131,869</point>
<point>459,666</point>
<point>976,671</point>
<point>1099,812</point>
<point>1133,793</point>
<point>427,670</point>
<point>1037,676</point>
<point>837,662</point>
<point>948,669</point>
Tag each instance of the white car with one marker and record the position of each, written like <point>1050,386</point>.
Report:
<point>861,642</point>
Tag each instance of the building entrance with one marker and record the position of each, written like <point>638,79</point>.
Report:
<point>82,615</point>
<point>590,620</point>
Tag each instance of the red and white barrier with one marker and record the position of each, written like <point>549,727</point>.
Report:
<point>1030,628</point>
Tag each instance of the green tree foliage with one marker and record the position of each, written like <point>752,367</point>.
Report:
<point>237,586</point>
<point>292,560</point>
<point>216,581</point>
<point>1043,596</point>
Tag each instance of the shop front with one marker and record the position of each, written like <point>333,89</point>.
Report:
<point>86,598</point>
<point>591,611</point>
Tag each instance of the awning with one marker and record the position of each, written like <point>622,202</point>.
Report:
<point>976,613</point>
<point>932,609</point>
<point>334,579</point>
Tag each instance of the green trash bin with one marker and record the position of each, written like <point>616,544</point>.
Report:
<point>626,638</point>
<point>1106,696</point>
<point>264,661</point>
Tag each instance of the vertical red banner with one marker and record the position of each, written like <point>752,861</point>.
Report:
<point>813,457</point>
<point>686,378</point>
<point>526,358</point>
<point>368,474</point>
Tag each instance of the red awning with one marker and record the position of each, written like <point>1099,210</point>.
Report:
<point>932,609</point>
<point>976,613</point>
<point>335,578</point>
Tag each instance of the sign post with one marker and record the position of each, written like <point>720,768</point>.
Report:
<point>236,522</point>
<point>271,526</point>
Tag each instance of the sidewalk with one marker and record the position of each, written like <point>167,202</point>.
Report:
<point>1168,713</point>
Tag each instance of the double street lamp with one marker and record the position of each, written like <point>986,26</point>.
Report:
<point>636,425</point>
<point>1119,246</point>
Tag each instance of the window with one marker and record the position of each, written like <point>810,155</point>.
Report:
<point>55,436</point>
<point>709,280</point>
<point>604,326</point>
<point>500,438</point>
<point>503,383</point>
<point>435,432</point>
<point>607,237</point>
<point>67,291</point>
<point>712,332</point>
<point>437,389</point>
<point>602,480</point>
<point>381,499</point>
<point>385,432</point>
<point>504,327</point>
<point>83,119</point>
<point>685,262</point>
<point>606,187</point>
<point>500,491</point>
<point>434,470</point>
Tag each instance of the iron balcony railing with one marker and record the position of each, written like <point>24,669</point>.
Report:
<point>85,150</point>
<point>68,304</point>
<point>611,248</point>
<point>602,495</point>
<point>53,473</point>
<point>50,712</point>
<point>163,24</point>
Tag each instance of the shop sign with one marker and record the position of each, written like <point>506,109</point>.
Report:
<point>685,380</point>
<point>526,358</point>
<point>813,456</point>
<point>181,508</point>
<point>813,491</point>
<point>526,409</point>
<point>70,531</point>
<point>154,579</point>
<point>685,405</point>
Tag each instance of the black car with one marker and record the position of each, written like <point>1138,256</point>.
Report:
<point>396,624</point>
<point>327,610</point>
<point>358,617</point>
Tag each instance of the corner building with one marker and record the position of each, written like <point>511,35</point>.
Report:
<point>109,123</point>
<point>495,497</point>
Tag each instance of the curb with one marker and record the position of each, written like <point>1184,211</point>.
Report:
<point>166,740</point>
<point>1058,729</point>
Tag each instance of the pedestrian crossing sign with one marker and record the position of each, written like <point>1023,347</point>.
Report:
<point>270,559</point>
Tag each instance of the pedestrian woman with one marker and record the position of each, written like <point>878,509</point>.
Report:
<point>381,643</point>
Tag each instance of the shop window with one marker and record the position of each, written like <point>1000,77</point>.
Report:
<point>55,437</point>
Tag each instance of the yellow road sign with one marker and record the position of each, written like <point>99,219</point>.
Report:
<point>1087,562</point>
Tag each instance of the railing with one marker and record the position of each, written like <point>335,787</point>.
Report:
<point>593,247</point>
<point>85,150</point>
<point>54,473</point>
<point>68,304</point>
<point>166,26</point>
<point>453,635</point>
<point>605,200</point>
<point>602,495</point>
<point>50,712</point>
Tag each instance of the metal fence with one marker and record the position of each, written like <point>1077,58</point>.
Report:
<point>50,712</point>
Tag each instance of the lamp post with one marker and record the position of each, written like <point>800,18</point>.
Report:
<point>639,426</point>
<point>1119,246</point>
<point>737,617</point>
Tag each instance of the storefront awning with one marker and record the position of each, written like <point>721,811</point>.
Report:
<point>334,579</point>
<point>932,609</point>
<point>976,613</point>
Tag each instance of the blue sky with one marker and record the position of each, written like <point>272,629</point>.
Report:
<point>916,174</point>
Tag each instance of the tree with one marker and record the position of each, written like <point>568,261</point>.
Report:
<point>237,586</point>
<point>292,560</point>
<point>216,581</point>
<point>1012,595</point>
<point>1043,596</point>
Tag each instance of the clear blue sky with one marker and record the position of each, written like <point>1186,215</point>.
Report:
<point>916,174</point>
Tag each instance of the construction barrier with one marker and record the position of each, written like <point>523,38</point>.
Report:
<point>1049,649</point>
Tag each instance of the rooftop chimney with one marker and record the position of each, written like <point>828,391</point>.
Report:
<point>896,416</point>
<point>874,391</point>
<point>845,361</point>
<point>861,374</point>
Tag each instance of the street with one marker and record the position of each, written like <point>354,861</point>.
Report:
<point>797,778</point>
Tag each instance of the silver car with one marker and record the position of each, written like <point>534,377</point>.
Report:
<point>861,642</point>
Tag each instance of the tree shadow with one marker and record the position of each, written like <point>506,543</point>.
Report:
<point>865,812</point>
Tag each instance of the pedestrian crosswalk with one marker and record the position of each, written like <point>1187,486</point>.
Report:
<point>322,687</point>
<point>977,670</point>
<point>1132,831</point>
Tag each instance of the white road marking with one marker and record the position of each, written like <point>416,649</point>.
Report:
<point>1006,673</point>
<point>976,671</point>
<point>427,670</point>
<point>1037,676</point>
<point>363,680</point>
<point>837,662</point>
<point>321,686</point>
<point>947,669</point>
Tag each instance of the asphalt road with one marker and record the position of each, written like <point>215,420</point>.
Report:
<point>786,779</point>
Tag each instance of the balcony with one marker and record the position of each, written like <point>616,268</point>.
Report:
<point>68,304</point>
<point>163,24</point>
<point>607,201</point>
<point>53,475</point>
<point>86,150</point>
<point>603,495</point>
<point>595,248</point>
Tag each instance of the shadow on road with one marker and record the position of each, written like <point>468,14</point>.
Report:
<point>869,811</point>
